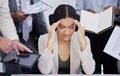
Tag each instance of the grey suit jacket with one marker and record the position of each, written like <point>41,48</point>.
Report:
<point>39,24</point>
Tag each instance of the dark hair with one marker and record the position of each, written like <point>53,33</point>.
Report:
<point>63,11</point>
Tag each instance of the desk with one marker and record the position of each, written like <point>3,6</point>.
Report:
<point>4,74</point>
<point>64,75</point>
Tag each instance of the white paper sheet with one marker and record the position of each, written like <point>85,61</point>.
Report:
<point>37,7</point>
<point>97,22</point>
<point>2,67</point>
<point>113,45</point>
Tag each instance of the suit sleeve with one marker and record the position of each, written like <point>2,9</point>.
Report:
<point>88,63</point>
<point>7,27</point>
<point>110,3</point>
<point>45,61</point>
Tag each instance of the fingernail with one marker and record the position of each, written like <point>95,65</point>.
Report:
<point>18,54</point>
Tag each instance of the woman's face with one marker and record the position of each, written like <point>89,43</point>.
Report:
<point>66,28</point>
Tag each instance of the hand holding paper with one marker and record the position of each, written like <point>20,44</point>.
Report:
<point>97,22</point>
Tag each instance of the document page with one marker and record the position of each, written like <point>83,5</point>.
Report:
<point>113,45</point>
<point>37,7</point>
<point>89,20</point>
<point>97,22</point>
<point>105,19</point>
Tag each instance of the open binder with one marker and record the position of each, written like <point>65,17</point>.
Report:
<point>97,22</point>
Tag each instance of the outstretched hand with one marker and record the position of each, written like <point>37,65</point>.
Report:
<point>19,46</point>
<point>7,46</point>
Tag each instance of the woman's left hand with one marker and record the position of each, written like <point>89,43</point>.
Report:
<point>81,34</point>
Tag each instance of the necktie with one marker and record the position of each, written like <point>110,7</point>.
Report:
<point>27,23</point>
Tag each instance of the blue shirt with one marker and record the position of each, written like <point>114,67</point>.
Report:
<point>96,5</point>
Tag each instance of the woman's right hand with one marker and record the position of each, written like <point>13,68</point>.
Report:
<point>51,35</point>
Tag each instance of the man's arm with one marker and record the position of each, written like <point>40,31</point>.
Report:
<point>8,30</point>
<point>7,27</point>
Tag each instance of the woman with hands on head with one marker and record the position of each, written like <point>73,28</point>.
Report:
<point>64,50</point>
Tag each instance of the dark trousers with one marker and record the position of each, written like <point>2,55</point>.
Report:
<point>32,43</point>
<point>10,68</point>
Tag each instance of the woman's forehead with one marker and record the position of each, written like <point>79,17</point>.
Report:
<point>67,21</point>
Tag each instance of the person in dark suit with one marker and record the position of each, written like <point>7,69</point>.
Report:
<point>98,41</point>
<point>35,22</point>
